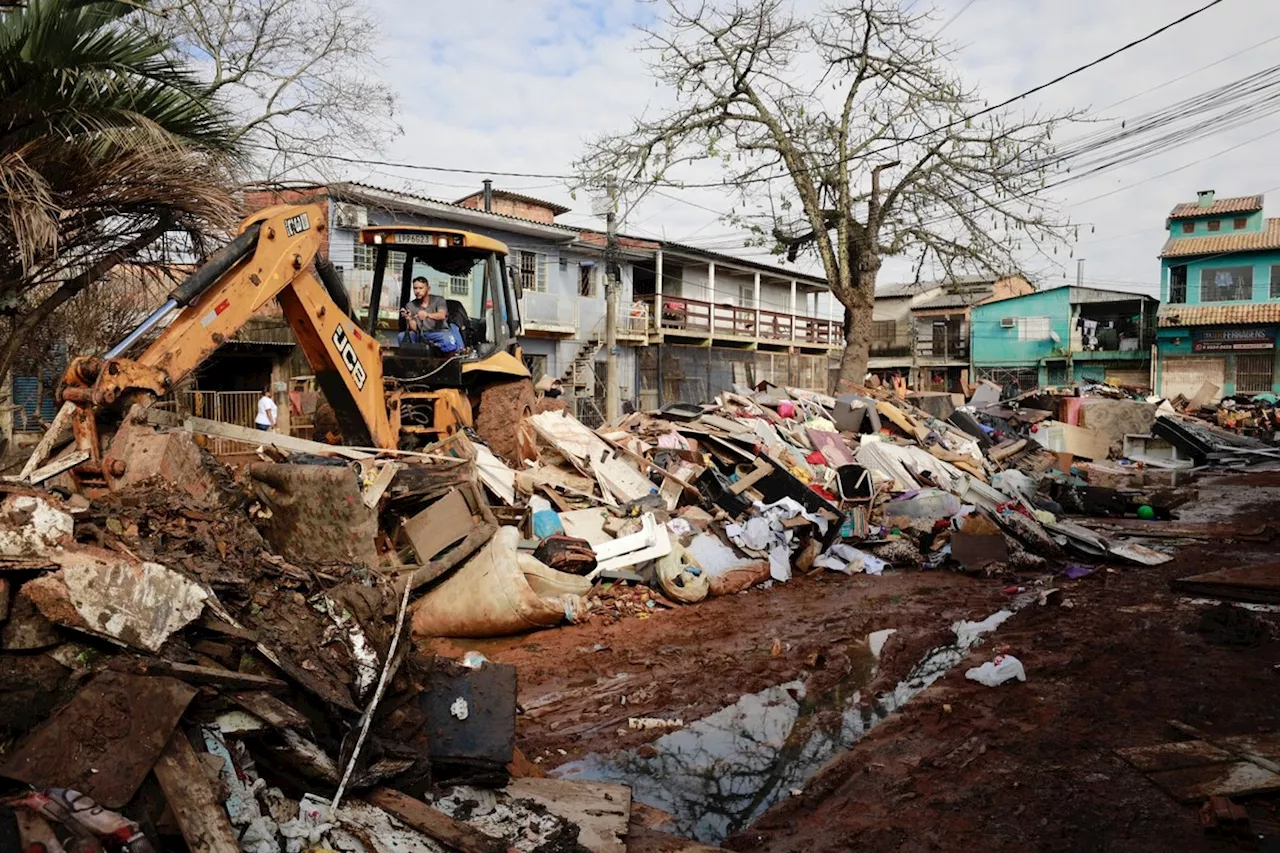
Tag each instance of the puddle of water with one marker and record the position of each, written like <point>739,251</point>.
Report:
<point>718,774</point>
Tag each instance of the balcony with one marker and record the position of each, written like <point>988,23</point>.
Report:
<point>549,313</point>
<point>695,318</point>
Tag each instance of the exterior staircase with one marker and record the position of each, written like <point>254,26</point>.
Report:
<point>580,382</point>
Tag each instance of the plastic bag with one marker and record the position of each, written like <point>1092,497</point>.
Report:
<point>997,671</point>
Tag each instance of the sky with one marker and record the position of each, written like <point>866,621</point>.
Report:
<point>519,85</point>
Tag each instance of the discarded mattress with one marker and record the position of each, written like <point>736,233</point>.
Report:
<point>500,592</point>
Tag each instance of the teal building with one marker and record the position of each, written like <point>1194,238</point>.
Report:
<point>1065,334</point>
<point>1220,288</point>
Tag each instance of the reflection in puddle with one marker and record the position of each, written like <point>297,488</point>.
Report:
<point>718,774</point>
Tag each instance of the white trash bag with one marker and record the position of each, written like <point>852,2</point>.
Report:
<point>997,671</point>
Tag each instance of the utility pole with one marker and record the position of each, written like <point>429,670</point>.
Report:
<point>611,407</point>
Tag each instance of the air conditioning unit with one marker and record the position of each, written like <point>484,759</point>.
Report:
<point>1008,322</point>
<point>349,216</point>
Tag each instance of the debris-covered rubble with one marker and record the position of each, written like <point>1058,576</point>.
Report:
<point>239,661</point>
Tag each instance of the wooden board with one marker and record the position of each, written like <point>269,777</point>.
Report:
<point>1192,770</point>
<point>378,487</point>
<point>61,422</point>
<point>217,429</point>
<point>438,526</point>
<point>130,718</point>
<point>495,474</point>
<point>601,810</point>
<point>1240,583</point>
<point>1078,441</point>
<point>434,823</point>
<point>623,482</point>
<point>56,467</point>
<point>196,807</point>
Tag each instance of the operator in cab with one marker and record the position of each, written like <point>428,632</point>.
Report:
<point>424,313</point>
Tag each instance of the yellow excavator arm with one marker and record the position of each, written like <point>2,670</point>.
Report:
<point>276,256</point>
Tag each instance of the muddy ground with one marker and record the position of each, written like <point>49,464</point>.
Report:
<point>1026,766</point>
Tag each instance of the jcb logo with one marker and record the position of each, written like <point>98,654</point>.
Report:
<point>349,357</point>
<point>295,225</point>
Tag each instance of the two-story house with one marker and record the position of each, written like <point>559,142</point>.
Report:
<point>920,330</point>
<point>1062,335</point>
<point>1220,284</point>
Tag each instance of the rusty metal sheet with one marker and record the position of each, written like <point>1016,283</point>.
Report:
<point>105,740</point>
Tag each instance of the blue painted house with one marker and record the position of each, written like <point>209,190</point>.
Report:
<point>1220,284</point>
<point>1065,334</point>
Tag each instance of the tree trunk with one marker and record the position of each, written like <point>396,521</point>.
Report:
<point>858,311</point>
<point>73,286</point>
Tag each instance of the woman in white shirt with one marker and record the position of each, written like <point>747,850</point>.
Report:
<point>267,411</point>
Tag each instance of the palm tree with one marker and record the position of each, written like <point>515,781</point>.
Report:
<point>107,145</point>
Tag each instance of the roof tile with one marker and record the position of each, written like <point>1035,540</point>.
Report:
<point>1239,241</point>
<point>1174,316</point>
<point>1240,204</point>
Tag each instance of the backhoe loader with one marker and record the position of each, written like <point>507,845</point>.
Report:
<point>385,395</point>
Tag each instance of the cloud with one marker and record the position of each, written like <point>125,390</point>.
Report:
<point>518,86</point>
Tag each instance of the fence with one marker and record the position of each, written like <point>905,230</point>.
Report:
<point>228,407</point>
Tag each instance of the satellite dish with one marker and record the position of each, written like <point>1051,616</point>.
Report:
<point>1054,337</point>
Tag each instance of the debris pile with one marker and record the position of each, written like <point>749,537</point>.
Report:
<point>237,654</point>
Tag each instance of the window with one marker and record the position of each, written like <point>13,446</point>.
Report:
<point>1240,223</point>
<point>1275,282</point>
<point>586,280</point>
<point>1215,224</point>
<point>1033,328</point>
<point>1226,284</point>
<point>1254,373</point>
<point>884,332</point>
<point>1188,227</point>
<point>459,285</point>
<point>747,295</point>
<point>533,271</point>
<point>362,257</point>
<point>1178,285</point>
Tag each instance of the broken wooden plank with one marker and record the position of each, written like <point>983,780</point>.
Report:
<point>129,719</point>
<point>761,470</point>
<point>601,810</point>
<point>257,437</point>
<point>56,467</point>
<point>434,823</point>
<point>196,807</point>
<point>213,676</point>
<point>270,710</point>
<point>380,483</point>
<point>52,436</point>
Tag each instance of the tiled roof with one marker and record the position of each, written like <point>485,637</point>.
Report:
<point>556,209</point>
<point>361,190</point>
<point>1172,316</point>
<point>1242,204</point>
<point>954,300</point>
<point>1238,241</point>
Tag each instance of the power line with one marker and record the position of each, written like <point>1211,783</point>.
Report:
<point>952,19</point>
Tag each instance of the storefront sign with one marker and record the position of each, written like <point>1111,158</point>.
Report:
<point>1232,340</point>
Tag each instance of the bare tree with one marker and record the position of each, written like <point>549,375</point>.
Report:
<point>855,128</point>
<point>301,76</point>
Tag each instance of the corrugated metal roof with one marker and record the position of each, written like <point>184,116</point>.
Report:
<point>1240,204</point>
<point>953,300</point>
<point>1238,241</point>
<point>1173,316</point>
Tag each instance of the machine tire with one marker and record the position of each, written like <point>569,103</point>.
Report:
<point>502,420</point>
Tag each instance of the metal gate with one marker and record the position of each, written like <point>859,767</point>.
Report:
<point>228,407</point>
<point>1255,374</point>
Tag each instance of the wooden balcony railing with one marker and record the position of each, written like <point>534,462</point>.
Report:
<point>681,314</point>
